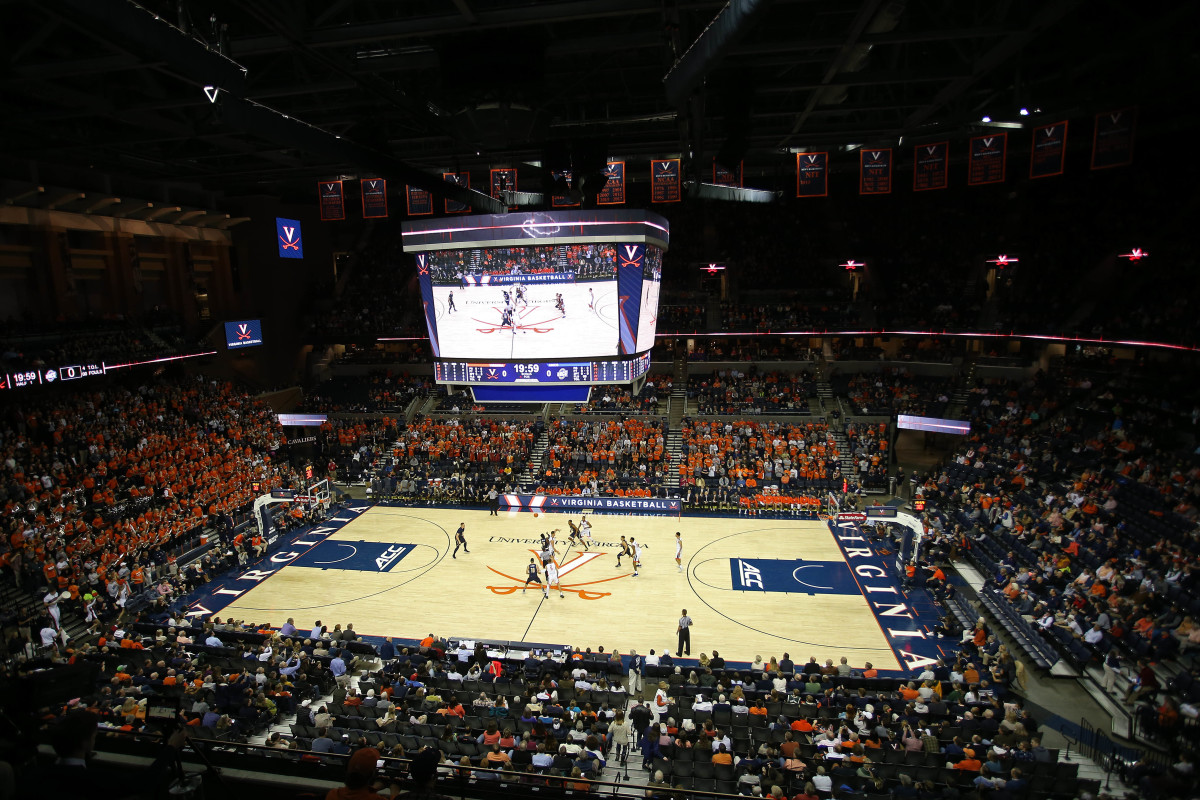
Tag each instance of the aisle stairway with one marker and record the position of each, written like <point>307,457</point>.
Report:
<point>845,457</point>
<point>12,597</point>
<point>675,451</point>
<point>537,463</point>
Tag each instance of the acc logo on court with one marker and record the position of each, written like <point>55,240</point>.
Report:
<point>565,568</point>
<point>359,556</point>
<point>792,575</point>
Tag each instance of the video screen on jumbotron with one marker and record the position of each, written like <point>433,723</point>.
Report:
<point>540,287</point>
<point>536,302</point>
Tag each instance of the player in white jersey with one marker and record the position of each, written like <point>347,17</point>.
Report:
<point>637,555</point>
<point>552,580</point>
<point>678,551</point>
<point>585,528</point>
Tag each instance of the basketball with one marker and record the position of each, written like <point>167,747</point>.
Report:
<point>535,515</point>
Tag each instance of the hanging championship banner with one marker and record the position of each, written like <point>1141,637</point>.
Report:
<point>1048,150</point>
<point>1112,139</point>
<point>374,197</point>
<point>463,179</point>
<point>812,174</point>
<point>564,201</point>
<point>727,177</point>
<point>931,166</point>
<point>613,192</point>
<point>333,202</point>
<point>666,182</point>
<point>986,158</point>
<point>504,179</point>
<point>418,201</point>
<point>875,171</point>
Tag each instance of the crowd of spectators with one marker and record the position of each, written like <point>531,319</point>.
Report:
<point>617,456</point>
<point>376,300</point>
<point>681,318</point>
<point>407,352</point>
<point>746,457</point>
<point>789,313</point>
<point>1082,517</point>
<point>737,393</point>
<point>438,458</point>
<point>746,348</point>
<point>896,391</point>
<point>379,391</point>
<point>102,488</point>
<point>587,261</point>
<point>615,398</point>
<point>112,341</point>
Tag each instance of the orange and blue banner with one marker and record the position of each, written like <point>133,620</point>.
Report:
<point>333,201</point>
<point>723,176</point>
<point>418,202</point>
<point>666,181</point>
<point>875,171</point>
<point>374,198</point>
<point>613,193</point>
<point>986,159</point>
<point>931,166</point>
<point>812,174</point>
<point>1048,150</point>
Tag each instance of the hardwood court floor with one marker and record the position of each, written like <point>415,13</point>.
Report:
<point>411,591</point>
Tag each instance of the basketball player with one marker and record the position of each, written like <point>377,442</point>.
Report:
<point>575,535</point>
<point>521,295</point>
<point>585,528</point>
<point>591,298</point>
<point>531,575</point>
<point>547,554</point>
<point>637,555</point>
<point>560,304</point>
<point>678,551</point>
<point>450,304</point>
<point>552,580</point>
<point>460,540</point>
<point>625,550</point>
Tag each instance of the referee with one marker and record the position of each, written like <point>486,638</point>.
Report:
<point>685,635</point>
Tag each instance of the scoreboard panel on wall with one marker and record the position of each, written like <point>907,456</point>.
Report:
<point>529,305</point>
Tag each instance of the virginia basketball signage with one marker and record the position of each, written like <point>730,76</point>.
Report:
<point>247,333</point>
<point>287,232</point>
<point>553,503</point>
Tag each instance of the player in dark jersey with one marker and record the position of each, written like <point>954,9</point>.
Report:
<point>560,304</point>
<point>450,304</point>
<point>625,550</point>
<point>532,576</point>
<point>576,535</point>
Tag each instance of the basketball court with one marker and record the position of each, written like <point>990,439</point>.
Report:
<point>753,586</point>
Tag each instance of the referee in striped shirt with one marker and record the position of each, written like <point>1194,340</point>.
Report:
<point>685,635</point>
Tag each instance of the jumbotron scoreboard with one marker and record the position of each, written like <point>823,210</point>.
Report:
<point>538,307</point>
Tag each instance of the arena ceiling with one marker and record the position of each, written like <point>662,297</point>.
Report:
<point>432,85</point>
